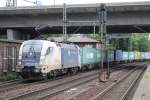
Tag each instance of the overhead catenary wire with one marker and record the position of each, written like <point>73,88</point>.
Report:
<point>140,29</point>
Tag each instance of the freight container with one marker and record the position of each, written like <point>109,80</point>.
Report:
<point>148,55</point>
<point>131,55</point>
<point>139,55</point>
<point>111,56</point>
<point>99,55</point>
<point>142,55</point>
<point>118,55</point>
<point>136,55</point>
<point>69,55</point>
<point>88,55</point>
<point>125,55</point>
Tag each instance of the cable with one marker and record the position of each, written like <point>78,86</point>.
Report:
<point>137,27</point>
<point>31,1</point>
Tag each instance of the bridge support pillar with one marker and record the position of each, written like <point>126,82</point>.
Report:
<point>13,34</point>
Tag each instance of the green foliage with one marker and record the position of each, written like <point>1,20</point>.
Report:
<point>141,43</point>
<point>8,76</point>
<point>110,47</point>
<point>137,42</point>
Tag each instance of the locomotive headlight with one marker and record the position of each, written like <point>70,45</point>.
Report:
<point>19,62</point>
<point>18,69</point>
<point>37,70</point>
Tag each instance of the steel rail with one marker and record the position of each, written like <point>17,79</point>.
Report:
<point>101,94</point>
<point>47,88</point>
<point>131,86</point>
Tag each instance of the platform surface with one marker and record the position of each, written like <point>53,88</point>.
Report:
<point>143,90</point>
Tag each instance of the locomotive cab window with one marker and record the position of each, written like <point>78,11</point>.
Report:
<point>32,47</point>
<point>49,50</point>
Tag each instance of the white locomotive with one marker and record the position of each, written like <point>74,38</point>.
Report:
<point>48,59</point>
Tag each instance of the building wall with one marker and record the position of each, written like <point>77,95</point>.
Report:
<point>8,56</point>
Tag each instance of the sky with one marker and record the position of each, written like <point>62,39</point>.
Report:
<point>59,2</point>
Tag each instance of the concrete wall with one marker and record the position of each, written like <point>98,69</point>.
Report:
<point>13,34</point>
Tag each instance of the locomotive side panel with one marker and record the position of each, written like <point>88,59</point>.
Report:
<point>69,56</point>
<point>52,59</point>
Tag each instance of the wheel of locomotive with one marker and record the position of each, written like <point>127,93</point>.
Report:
<point>52,74</point>
<point>43,77</point>
<point>64,71</point>
<point>77,69</point>
<point>73,70</point>
<point>49,75</point>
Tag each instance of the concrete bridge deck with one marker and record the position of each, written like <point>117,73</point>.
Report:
<point>121,18</point>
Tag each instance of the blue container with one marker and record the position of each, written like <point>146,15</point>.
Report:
<point>111,56</point>
<point>69,55</point>
<point>118,55</point>
<point>146,55</point>
<point>142,55</point>
<point>88,55</point>
<point>125,55</point>
<point>131,55</point>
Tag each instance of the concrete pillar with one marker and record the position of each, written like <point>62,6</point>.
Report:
<point>13,34</point>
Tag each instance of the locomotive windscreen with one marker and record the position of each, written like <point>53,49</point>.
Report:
<point>31,54</point>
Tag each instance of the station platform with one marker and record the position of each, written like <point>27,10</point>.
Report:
<point>143,89</point>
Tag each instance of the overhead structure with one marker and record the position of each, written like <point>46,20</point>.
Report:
<point>64,22</point>
<point>36,2</point>
<point>102,15</point>
<point>13,3</point>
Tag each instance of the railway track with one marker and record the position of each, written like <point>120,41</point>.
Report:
<point>54,88</point>
<point>120,89</point>
<point>10,83</point>
<point>1,82</point>
<point>19,85</point>
<point>5,82</point>
<point>50,88</point>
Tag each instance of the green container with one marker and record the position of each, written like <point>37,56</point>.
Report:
<point>98,55</point>
<point>88,55</point>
